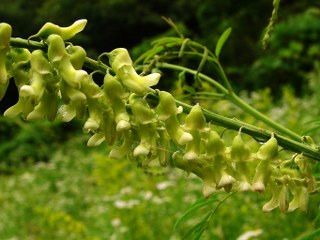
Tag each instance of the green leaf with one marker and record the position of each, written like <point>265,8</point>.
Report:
<point>223,38</point>
<point>310,236</point>
<point>197,230</point>
<point>313,129</point>
<point>198,204</point>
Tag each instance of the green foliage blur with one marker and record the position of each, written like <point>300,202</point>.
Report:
<point>25,143</point>
<point>85,195</point>
<point>128,23</point>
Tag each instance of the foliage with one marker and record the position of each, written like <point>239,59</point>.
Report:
<point>293,51</point>
<point>79,195</point>
<point>26,143</point>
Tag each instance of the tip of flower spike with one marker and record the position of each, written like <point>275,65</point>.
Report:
<point>74,29</point>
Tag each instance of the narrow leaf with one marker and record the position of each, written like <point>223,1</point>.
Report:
<point>223,38</point>
<point>197,230</point>
<point>311,235</point>
<point>198,204</point>
<point>313,129</point>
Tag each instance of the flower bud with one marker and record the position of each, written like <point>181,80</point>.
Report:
<point>119,152</point>
<point>77,56</point>
<point>66,113</point>
<point>96,139</point>
<point>148,140</point>
<point>167,106</point>
<point>163,149</point>
<point>118,58</point>
<point>222,172</point>
<point>268,150</point>
<point>75,98</point>
<point>142,112</point>
<point>95,116</point>
<point>226,181</point>
<point>240,154</point>
<point>121,63</point>
<point>60,59</point>
<point>39,72</point>
<point>20,66</point>
<point>90,88</point>
<point>71,76</point>
<point>135,83</point>
<point>300,194</point>
<point>176,132</point>
<point>196,125</point>
<point>47,108</point>
<point>39,62</point>
<point>5,35</point>
<point>214,144</point>
<point>279,198</point>
<point>66,33</point>
<point>261,176</point>
<point>56,49</point>
<point>108,125</point>
<point>114,90</point>
<point>201,168</point>
<point>195,120</point>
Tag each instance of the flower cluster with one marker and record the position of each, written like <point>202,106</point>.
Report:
<point>52,84</point>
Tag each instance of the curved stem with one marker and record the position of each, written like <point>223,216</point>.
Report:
<point>24,43</point>
<point>236,100</point>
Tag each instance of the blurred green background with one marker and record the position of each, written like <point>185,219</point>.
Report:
<point>53,187</point>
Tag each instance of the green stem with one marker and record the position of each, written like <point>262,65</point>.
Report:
<point>258,133</point>
<point>217,85</point>
<point>32,45</point>
<point>24,43</point>
<point>236,100</point>
<point>280,128</point>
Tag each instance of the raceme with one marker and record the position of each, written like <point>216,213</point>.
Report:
<point>53,85</point>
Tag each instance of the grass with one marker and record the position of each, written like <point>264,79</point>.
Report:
<point>81,194</point>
